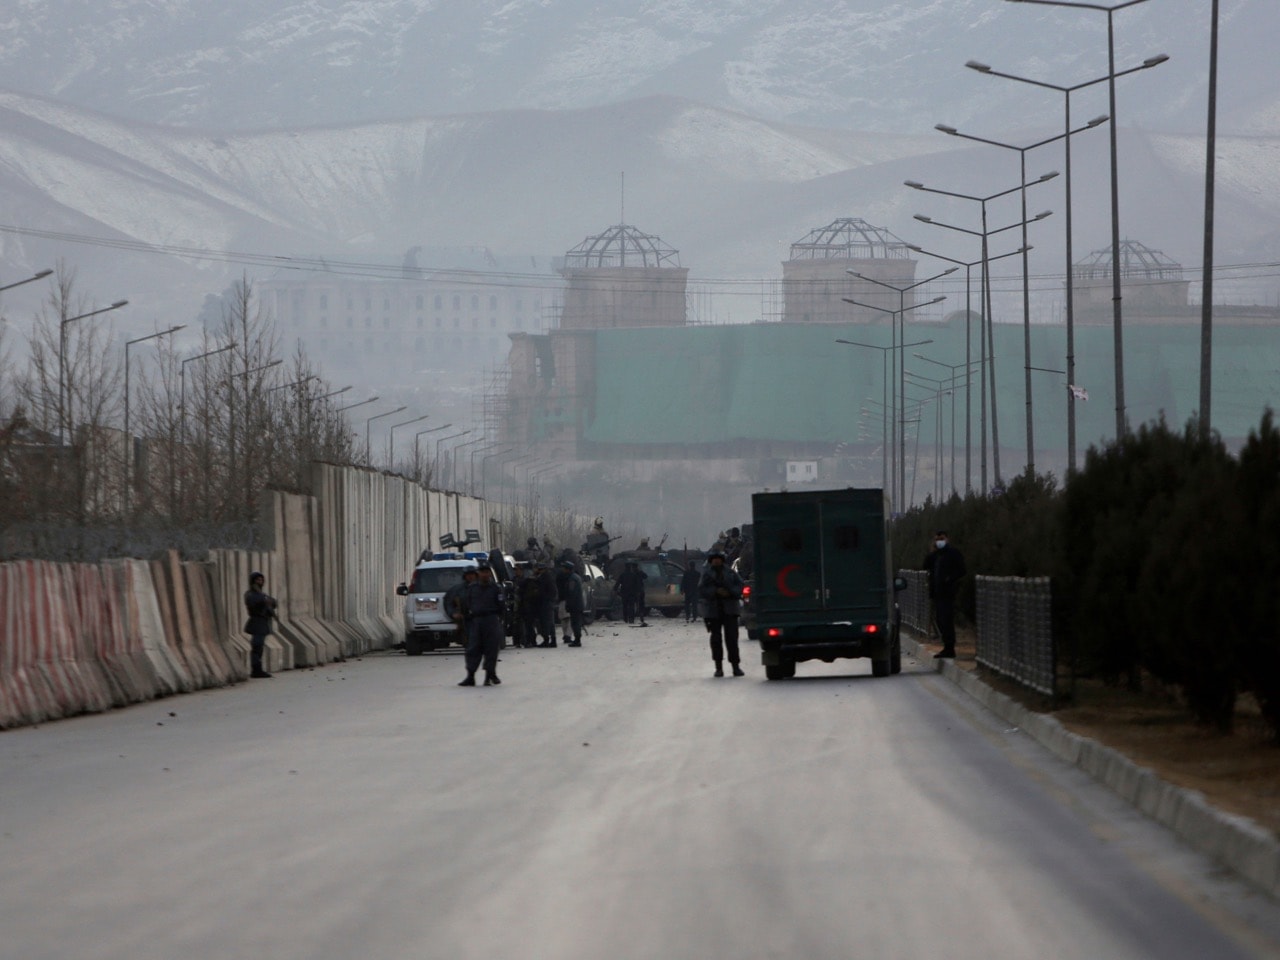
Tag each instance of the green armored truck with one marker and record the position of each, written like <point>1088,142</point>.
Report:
<point>823,587</point>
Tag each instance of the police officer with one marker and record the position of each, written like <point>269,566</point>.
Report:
<point>571,594</point>
<point>630,587</point>
<point>262,610</point>
<point>721,592</point>
<point>528,601</point>
<point>484,602</point>
<point>454,608</point>
<point>597,543</point>
<point>548,597</point>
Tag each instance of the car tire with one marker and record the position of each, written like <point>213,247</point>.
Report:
<point>882,667</point>
<point>412,646</point>
<point>782,671</point>
<point>895,655</point>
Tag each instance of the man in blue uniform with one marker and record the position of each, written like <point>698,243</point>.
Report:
<point>484,604</point>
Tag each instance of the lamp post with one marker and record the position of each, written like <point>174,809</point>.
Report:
<point>885,439</point>
<point>1206,276</point>
<point>968,348</point>
<point>417,457</point>
<point>128,436</point>
<point>435,464</point>
<point>938,386</point>
<point>1066,91</point>
<point>968,376</point>
<point>32,279</point>
<point>64,390</point>
<point>989,345</point>
<point>484,460</point>
<point>368,450</point>
<point>1026,273</point>
<point>394,426</point>
<point>1122,427</point>
<point>453,463</point>
<point>502,481</point>
<point>898,320</point>
<point>352,406</point>
<point>182,408</point>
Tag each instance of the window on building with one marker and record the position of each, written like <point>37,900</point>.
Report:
<point>457,302</point>
<point>493,303</point>
<point>439,323</point>
<point>418,302</point>
<point>475,301</point>
<point>324,301</point>
<point>439,301</point>
<point>493,323</point>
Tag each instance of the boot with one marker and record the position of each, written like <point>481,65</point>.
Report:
<point>719,669</point>
<point>491,680</point>
<point>468,681</point>
<point>945,654</point>
<point>737,671</point>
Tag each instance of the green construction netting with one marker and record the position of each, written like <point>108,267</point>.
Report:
<point>691,385</point>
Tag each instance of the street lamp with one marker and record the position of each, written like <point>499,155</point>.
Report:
<point>968,348</point>
<point>453,463</point>
<point>1070,257</point>
<point>182,406</point>
<point>64,391</point>
<point>394,426</point>
<point>1122,427</point>
<point>968,377</point>
<point>417,459</point>
<point>352,406</point>
<point>435,464</point>
<point>1026,273</point>
<point>898,319</point>
<point>501,455</point>
<point>483,460</point>
<point>368,450</point>
<point>939,388</point>
<point>333,393</point>
<point>990,344</point>
<point>128,437</point>
<point>885,439</point>
<point>17,283</point>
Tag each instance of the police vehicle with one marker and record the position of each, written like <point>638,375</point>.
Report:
<point>427,624</point>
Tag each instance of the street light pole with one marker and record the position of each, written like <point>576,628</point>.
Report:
<point>128,436</point>
<point>1122,426</point>
<point>885,438</point>
<point>1066,91</point>
<point>417,457</point>
<point>392,454</point>
<point>1026,272</point>
<point>900,321</point>
<point>968,376</point>
<point>968,348</point>
<point>435,464</point>
<point>989,344</point>
<point>182,408</point>
<point>368,449</point>
<point>64,389</point>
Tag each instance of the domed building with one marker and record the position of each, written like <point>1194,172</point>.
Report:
<point>1151,284</point>
<point>623,278</point>
<point>818,278</point>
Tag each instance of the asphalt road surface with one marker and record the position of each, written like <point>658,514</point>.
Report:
<point>613,801</point>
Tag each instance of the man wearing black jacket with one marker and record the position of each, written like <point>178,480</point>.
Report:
<point>262,610</point>
<point>721,592</point>
<point>946,569</point>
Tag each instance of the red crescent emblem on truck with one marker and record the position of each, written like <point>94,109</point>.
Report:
<point>785,572</point>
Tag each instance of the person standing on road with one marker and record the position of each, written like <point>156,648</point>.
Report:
<point>945,573</point>
<point>548,597</point>
<point>454,608</point>
<point>571,594</point>
<point>262,610</point>
<point>630,587</point>
<point>689,584</point>
<point>721,592</point>
<point>484,602</point>
<point>528,601</point>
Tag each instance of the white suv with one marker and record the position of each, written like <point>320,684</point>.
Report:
<point>427,625</point>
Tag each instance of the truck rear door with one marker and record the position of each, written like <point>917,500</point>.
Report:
<point>818,557</point>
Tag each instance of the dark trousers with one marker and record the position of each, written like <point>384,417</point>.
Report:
<point>632,606</point>
<point>257,643</point>
<point>527,627</point>
<point>547,621</point>
<point>724,638</point>
<point>944,611</point>
<point>691,606</point>
<point>575,622</point>
<point>484,642</point>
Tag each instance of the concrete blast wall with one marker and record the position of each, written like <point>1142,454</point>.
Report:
<point>81,638</point>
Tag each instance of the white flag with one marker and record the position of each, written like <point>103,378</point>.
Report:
<point>1079,393</point>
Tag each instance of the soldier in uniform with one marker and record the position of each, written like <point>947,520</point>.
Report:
<point>484,602</point>
<point>596,545</point>
<point>630,587</point>
<point>721,592</point>
<point>571,594</point>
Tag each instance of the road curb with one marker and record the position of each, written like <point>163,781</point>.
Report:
<point>1237,843</point>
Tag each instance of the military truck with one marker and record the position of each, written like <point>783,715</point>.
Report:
<point>822,587</point>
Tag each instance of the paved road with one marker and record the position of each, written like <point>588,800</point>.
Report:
<point>613,801</point>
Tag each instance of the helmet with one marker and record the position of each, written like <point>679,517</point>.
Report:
<point>598,522</point>
<point>256,576</point>
<point>716,553</point>
<point>568,564</point>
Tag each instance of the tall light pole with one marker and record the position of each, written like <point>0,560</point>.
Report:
<point>182,408</point>
<point>989,345</point>
<point>1066,91</point>
<point>32,279</point>
<point>128,436</point>
<point>392,453</point>
<point>453,462</point>
<point>1026,273</point>
<point>1122,424</point>
<point>1206,276</point>
<point>368,450</point>
<point>938,386</point>
<point>435,464</point>
<point>899,336</point>
<point>968,346</point>
<point>64,391</point>
<point>483,460</point>
<point>968,376</point>
<point>417,457</point>
<point>886,441</point>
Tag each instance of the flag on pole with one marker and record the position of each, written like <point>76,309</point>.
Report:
<point>1078,393</point>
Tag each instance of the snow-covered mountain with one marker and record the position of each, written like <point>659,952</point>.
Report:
<point>355,130</point>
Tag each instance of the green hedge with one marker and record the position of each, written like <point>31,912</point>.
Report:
<point>1165,556</point>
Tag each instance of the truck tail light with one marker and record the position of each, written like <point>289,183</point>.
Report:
<point>774,632</point>
<point>746,592</point>
<point>870,628</point>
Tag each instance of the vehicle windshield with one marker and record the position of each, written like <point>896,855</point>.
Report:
<point>437,580</point>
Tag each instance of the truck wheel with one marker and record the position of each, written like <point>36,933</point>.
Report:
<point>412,646</point>
<point>783,671</point>
<point>895,656</point>
<point>882,668</point>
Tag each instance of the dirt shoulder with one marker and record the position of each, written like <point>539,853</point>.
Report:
<point>1238,773</point>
